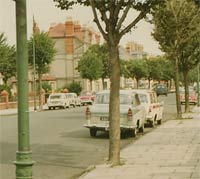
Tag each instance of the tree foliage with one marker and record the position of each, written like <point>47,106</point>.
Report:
<point>75,87</point>
<point>44,52</point>
<point>177,31</point>
<point>137,69</point>
<point>90,65</point>
<point>7,59</point>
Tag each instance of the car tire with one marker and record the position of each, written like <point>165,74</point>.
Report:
<point>141,129</point>
<point>133,132</point>
<point>159,122</point>
<point>152,124</point>
<point>93,132</point>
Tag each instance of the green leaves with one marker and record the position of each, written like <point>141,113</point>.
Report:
<point>7,59</point>
<point>44,51</point>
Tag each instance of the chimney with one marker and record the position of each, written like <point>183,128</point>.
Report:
<point>69,26</point>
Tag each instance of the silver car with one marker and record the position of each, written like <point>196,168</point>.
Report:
<point>132,113</point>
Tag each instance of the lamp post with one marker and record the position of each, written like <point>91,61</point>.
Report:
<point>34,75</point>
<point>23,161</point>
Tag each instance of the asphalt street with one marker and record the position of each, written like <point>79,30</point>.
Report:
<point>62,148</point>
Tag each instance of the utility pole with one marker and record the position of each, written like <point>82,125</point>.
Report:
<point>23,161</point>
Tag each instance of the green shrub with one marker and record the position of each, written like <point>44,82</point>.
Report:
<point>75,87</point>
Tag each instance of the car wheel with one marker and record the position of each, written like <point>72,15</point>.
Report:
<point>159,122</point>
<point>133,132</point>
<point>49,108</point>
<point>141,129</point>
<point>152,123</point>
<point>93,132</point>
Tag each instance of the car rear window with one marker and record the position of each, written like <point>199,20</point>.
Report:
<point>143,98</point>
<point>55,97</point>
<point>105,98</point>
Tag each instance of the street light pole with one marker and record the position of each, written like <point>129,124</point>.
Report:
<point>23,161</point>
<point>34,75</point>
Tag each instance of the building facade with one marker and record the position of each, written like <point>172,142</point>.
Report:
<point>71,41</point>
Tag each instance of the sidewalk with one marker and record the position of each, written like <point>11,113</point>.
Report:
<point>12,111</point>
<point>171,151</point>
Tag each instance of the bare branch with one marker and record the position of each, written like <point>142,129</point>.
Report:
<point>124,15</point>
<point>134,22</point>
<point>96,20</point>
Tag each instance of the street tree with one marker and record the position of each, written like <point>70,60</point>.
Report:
<point>90,65</point>
<point>137,69</point>
<point>190,57</point>
<point>44,53</point>
<point>167,71</point>
<point>174,27</point>
<point>7,59</point>
<point>110,18</point>
<point>153,69</point>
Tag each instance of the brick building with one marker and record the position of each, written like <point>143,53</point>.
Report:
<point>71,41</point>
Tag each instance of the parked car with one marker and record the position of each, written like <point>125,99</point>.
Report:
<point>192,97</point>
<point>161,89</point>
<point>153,108</point>
<point>132,113</point>
<point>87,97</point>
<point>74,100</point>
<point>58,100</point>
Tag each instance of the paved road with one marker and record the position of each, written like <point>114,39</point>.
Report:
<point>61,147</point>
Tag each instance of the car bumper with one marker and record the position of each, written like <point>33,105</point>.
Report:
<point>106,128</point>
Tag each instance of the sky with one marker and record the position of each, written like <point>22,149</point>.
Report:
<point>45,13</point>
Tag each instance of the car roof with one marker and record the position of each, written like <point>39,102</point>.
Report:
<point>56,94</point>
<point>121,92</point>
<point>143,91</point>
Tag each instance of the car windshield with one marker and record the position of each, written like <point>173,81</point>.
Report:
<point>143,98</point>
<point>55,97</point>
<point>69,95</point>
<point>104,99</point>
<point>161,87</point>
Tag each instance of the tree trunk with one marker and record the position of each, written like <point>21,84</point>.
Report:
<point>185,77</point>
<point>137,80</point>
<point>114,115</point>
<point>178,104</point>
<point>103,83</point>
<point>149,83</point>
<point>90,85</point>
<point>40,91</point>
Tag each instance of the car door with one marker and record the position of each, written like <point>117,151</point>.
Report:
<point>138,110</point>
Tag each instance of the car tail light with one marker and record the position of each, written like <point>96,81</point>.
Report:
<point>130,114</point>
<point>87,113</point>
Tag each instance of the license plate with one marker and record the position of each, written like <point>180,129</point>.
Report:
<point>104,118</point>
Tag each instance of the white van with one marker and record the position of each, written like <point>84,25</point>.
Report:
<point>58,100</point>
<point>73,99</point>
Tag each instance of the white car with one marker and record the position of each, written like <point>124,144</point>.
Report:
<point>58,100</point>
<point>132,113</point>
<point>74,100</point>
<point>154,108</point>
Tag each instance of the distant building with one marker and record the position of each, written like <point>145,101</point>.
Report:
<point>136,50</point>
<point>71,41</point>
